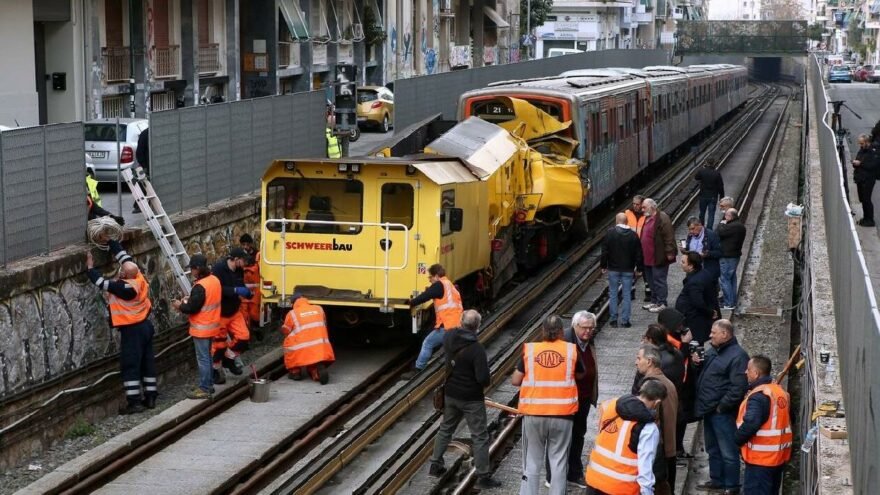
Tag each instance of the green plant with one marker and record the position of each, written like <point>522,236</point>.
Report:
<point>80,428</point>
<point>374,33</point>
<point>539,9</point>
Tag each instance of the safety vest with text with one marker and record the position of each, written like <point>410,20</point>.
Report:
<point>448,309</point>
<point>333,148</point>
<point>548,387</point>
<point>635,223</point>
<point>306,341</point>
<point>613,467</point>
<point>206,323</point>
<point>134,311</point>
<point>771,445</point>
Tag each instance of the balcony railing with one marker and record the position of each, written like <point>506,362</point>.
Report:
<point>288,54</point>
<point>209,58</point>
<point>116,63</point>
<point>166,61</point>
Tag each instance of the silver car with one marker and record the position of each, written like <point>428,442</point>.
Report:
<point>100,141</point>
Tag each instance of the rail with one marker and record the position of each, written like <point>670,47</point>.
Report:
<point>115,63</point>
<point>386,267</point>
<point>166,62</point>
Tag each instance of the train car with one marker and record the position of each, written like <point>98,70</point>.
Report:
<point>700,113</point>
<point>608,111</point>
<point>357,235</point>
<point>670,123</point>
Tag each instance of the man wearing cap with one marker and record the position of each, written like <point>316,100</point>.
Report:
<point>128,298</point>
<point>250,308</point>
<point>203,308</point>
<point>306,340</point>
<point>234,335</point>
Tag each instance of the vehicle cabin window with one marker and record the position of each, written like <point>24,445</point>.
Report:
<point>496,111</point>
<point>337,200</point>
<point>397,204</point>
<point>367,95</point>
<point>447,202</point>
<point>104,132</point>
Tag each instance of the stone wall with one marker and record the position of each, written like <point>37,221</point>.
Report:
<point>54,321</point>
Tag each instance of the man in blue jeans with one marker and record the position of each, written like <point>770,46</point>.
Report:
<point>732,233</point>
<point>621,255</point>
<point>721,387</point>
<point>447,310</point>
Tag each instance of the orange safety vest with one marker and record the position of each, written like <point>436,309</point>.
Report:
<point>771,445</point>
<point>206,323</point>
<point>306,341</point>
<point>448,309</point>
<point>124,312</point>
<point>674,342</point>
<point>250,308</point>
<point>548,387</point>
<point>613,467</point>
<point>635,223</point>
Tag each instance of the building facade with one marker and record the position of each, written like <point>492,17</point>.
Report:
<point>65,60</point>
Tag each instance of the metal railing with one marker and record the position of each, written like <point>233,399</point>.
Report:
<point>113,106</point>
<point>387,227</point>
<point>209,58</point>
<point>289,54</point>
<point>856,316</point>
<point>116,63</point>
<point>166,61</point>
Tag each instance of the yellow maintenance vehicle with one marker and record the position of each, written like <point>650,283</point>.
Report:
<point>357,235</point>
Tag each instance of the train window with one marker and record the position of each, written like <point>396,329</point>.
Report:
<point>397,204</point>
<point>621,123</point>
<point>339,200</point>
<point>604,129</point>
<point>594,130</point>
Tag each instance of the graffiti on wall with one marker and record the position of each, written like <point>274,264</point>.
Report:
<point>460,56</point>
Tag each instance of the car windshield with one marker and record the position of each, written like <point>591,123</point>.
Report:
<point>104,132</point>
<point>364,96</point>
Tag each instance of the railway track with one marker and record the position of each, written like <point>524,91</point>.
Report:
<point>559,284</point>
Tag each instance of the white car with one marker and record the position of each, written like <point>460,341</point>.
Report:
<point>100,142</point>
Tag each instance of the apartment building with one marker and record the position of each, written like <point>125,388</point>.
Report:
<point>63,60</point>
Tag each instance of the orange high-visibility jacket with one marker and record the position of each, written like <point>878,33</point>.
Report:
<point>448,308</point>
<point>613,467</point>
<point>206,323</point>
<point>306,340</point>
<point>548,387</point>
<point>771,446</point>
<point>250,308</point>
<point>635,223</point>
<point>124,312</point>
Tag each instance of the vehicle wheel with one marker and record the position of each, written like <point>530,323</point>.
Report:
<point>385,126</point>
<point>355,134</point>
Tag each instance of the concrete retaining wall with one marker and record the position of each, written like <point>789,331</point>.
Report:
<point>53,321</point>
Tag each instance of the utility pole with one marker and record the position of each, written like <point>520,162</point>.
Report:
<point>529,26</point>
<point>131,81</point>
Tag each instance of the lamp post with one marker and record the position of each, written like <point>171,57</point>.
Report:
<point>529,27</point>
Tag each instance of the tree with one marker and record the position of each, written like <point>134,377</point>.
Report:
<point>815,31</point>
<point>540,9</point>
<point>781,10</point>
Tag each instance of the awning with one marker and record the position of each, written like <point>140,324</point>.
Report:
<point>491,14</point>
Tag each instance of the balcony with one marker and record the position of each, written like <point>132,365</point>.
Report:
<point>288,54</point>
<point>166,62</point>
<point>116,63</point>
<point>209,59</point>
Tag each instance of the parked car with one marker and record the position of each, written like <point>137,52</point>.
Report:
<point>375,107</point>
<point>862,72</point>
<point>839,74</point>
<point>872,75</point>
<point>100,142</point>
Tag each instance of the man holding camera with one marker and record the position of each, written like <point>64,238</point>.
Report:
<point>721,387</point>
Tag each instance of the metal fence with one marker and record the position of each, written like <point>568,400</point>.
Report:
<point>42,189</point>
<point>856,315</point>
<point>204,154</point>
<point>740,37</point>
<point>420,97</point>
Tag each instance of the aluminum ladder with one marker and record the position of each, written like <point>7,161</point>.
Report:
<point>163,230</point>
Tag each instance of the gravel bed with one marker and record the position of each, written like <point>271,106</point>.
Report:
<point>172,389</point>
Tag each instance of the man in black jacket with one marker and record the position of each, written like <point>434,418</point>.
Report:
<point>864,175</point>
<point>711,190</point>
<point>621,255</point>
<point>234,334</point>
<point>706,243</point>
<point>732,233</point>
<point>721,386</point>
<point>468,375</point>
<point>696,301</point>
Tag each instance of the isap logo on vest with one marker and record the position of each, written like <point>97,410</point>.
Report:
<point>781,402</point>
<point>549,359</point>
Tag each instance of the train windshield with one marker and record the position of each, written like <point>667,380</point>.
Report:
<point>496,111</point>
<point>313,202</point>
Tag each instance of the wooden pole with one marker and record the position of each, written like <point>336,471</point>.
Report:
<point>791,361</point>
<point>496,405</point>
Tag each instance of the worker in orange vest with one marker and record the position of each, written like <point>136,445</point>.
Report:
<point>128,298</point>
<point>306,341</point>
<point>447,311</point>
<point>548,397</point>
<point>763,430</point>
<point>621,462</point>
<point>635,218</point>
<point>250,308</point>
<point>203,308</point>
